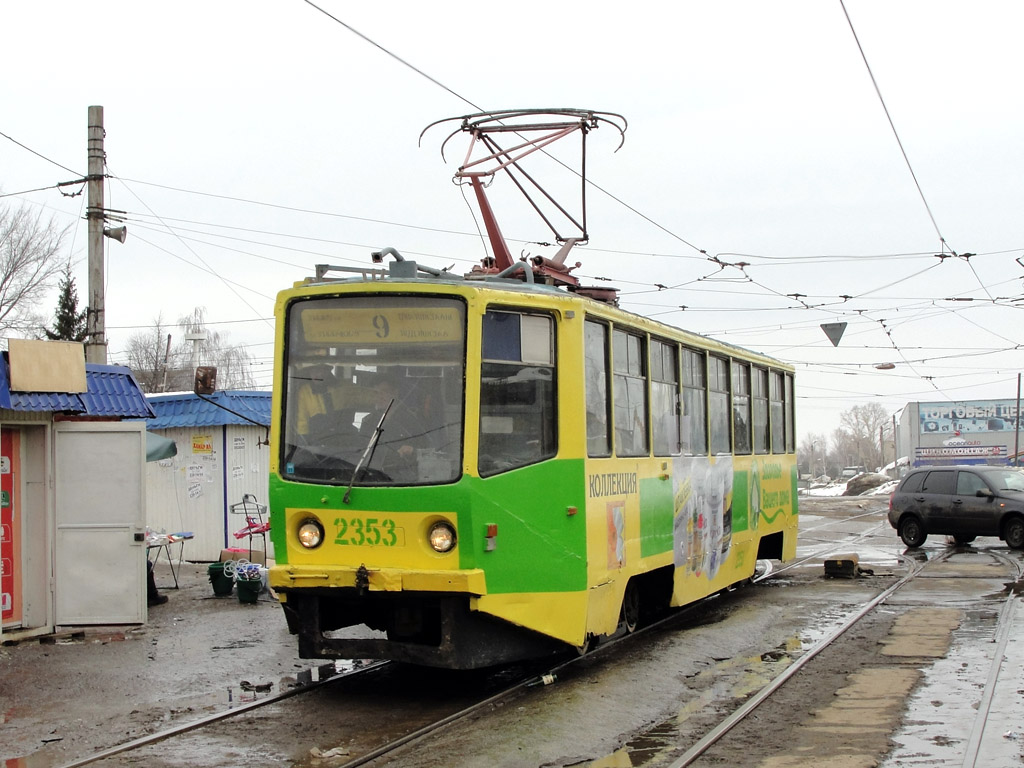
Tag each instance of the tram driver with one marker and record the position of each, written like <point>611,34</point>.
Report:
<point>403,432</point>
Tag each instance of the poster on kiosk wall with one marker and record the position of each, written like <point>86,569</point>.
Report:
<point>10,535</point>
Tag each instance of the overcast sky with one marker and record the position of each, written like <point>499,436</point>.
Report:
<point>250,140</point>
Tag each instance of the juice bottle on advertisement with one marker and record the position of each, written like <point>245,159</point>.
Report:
<point>754,506</point>
<point>681,522</point>
<point>699,533</point>
<point>726,508</point>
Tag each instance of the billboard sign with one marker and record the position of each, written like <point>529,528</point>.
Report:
<point>954,419</point>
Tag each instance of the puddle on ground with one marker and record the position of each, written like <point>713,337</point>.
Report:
<point>727,679</point>
<point>941,713</point>
<point>724,680</point>
<point>202,705</point>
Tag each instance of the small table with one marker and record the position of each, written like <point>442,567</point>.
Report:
<point>162,543</point>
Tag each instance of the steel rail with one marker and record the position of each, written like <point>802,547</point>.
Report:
<point>1002,637</point>
<point>820,553</point>
<point>604,647</point>
<point>837,521</point>
<point>530,681</point>
<point>761,696</point>
<point>527,682</point>
<point>153,738</point>
<point>436,726</point>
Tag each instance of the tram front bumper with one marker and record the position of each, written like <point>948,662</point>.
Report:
<point>289,577</point>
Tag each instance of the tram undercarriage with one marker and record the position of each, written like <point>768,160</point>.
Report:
<point>435,630</point>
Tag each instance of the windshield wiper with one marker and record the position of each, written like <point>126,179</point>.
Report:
<point>367,456</point>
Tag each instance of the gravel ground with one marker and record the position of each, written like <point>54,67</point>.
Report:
<point>68,695</point>
<point>73,695</point>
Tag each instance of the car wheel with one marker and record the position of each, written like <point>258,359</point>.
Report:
<point>1013,533</point>
<point>961,539</point>
<point>912,532</point>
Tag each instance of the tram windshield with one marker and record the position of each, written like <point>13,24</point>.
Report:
<point>374,390</point>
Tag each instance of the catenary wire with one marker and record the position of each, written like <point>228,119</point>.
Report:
<point>41,156</point>
<point>892,125</point>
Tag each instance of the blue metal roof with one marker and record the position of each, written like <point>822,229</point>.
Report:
<point>112,391</point>
<point>189,410</point>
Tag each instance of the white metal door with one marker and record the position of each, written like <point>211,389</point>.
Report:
<point>100,511</point>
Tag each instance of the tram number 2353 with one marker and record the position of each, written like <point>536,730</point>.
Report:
<point>368,532</point>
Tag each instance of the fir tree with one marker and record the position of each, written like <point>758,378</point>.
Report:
<point>69,324</point>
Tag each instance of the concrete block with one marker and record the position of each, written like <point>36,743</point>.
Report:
<point>846,566</point>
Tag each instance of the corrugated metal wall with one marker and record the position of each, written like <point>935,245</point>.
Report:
<point>247,469</point>
<point>194,490</point>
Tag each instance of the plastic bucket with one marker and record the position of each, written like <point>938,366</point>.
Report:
<point>249,589</point>
<point>221,583</point>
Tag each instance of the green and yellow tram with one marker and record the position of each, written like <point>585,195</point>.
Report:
<point>501,465</point>
<point>485,470</point>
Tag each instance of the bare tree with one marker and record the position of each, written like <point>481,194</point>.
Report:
<point>163,360</point>
<point>813,454</point>
<point>150,359</point>
<point>29,264</point>
<point>861,430</point>
<point>234,364</point>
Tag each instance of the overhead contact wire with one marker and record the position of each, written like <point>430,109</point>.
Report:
<point>395,56</point>
<point>892,125</point>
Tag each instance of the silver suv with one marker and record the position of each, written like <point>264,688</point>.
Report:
<point>962,502</point>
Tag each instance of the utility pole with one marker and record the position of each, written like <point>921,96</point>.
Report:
<point>167,357</point>
<point>895,449</point>
<point>96,342</point>
<point>1016,429</point>
<point>881,444</point>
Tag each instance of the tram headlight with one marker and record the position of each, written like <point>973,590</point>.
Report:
<point>310,533</point>
<point>442,537</point>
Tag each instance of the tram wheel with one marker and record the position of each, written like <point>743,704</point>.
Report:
<point>589,643</point>
<point>630,616</point>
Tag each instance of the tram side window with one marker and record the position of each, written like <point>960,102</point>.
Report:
<point>777,405</point>
<point>665,398</point>
<point>741,406</point>
<point>595,350</point>
<point>718,405</point>
<point>759,390</point>
<point>695,412</point>
<point>790,406</point>
<point>629,394</point>
<point>517,391</point>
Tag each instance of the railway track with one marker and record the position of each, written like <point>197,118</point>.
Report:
<point>515,686</point>
<point>521,685</point>
<point>973,754</point>
<point>235,711</point>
